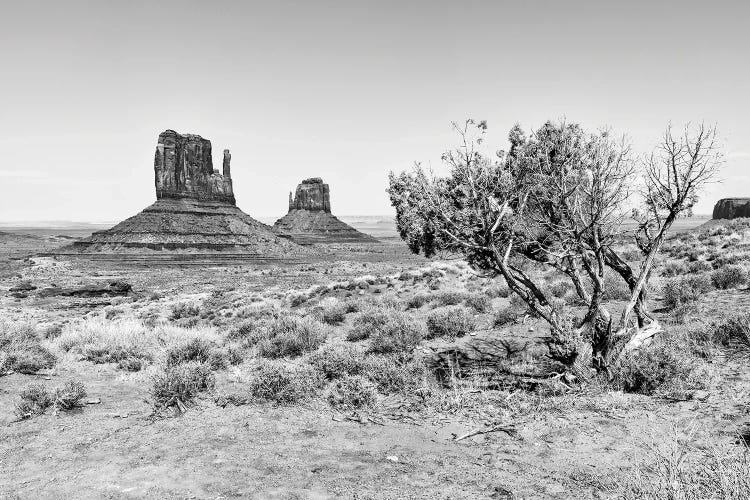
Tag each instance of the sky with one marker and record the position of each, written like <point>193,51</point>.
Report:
<point>344,90</point>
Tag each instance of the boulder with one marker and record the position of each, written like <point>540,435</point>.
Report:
<point>732,208</point>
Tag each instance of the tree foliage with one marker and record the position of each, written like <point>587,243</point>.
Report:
<point>557,198</point>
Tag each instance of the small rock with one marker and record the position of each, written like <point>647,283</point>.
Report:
<point>24,286</point>
<point>94,401</point>
<point>392,458</point>
<point>700,395</point>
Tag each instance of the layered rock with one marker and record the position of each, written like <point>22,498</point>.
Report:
<point>183,169</point>
<point>310,220</point>
<point>732,208</point>
<point>312,194</point>
<point>194,212</point>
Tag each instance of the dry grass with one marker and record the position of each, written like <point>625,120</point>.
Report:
<point>450,322</point>
<point>125,340</point>
<point>683,472</point>
<point>21,349</point>
<point>35,399</point>
<point>351,392</point>
<point>284,383</point>
<point>177,386</point>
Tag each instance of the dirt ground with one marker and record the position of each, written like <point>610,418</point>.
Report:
<point>573,445</point>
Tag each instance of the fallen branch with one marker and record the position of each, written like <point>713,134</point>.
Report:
<point>511,431</point>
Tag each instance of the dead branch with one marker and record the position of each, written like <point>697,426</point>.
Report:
<point>511,431</point>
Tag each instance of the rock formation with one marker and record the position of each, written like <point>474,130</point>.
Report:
<point>194,213</point>
<point>183,168</point>
<point>732,208</point>
<point>312,194</point>
<point>310,220</point>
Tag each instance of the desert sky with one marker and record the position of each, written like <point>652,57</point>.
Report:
<point>344,90</point>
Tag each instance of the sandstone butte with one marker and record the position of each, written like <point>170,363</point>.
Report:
<point>195,212</point>
<point>309,219</point>
<point>732,208</point>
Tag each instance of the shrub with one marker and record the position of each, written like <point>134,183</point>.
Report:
<point>506,315</point>
<point>69,396</point>
<point>292,336</point>
<point>734,331</point>
<point>684,473</point>
<point>297,299</point>
<point>451,322</point>
<point>281,383</point>
<point>699,266</point>
<point>500,290</point>
<point>394,376</point>
<point>338,359</point>
<point>352,392</point>
<point>177,385</point>
<point>673,268</point>
<point>249,332</point>
<point>352,306</point>
<point>417,300</point>
<point>449,298</point>
<point>131,364</point>
<point>123,355</point>
<point>480,303</point>
<point>21,349</point>
<point>35,399</point>
<point>730,276</point>
<point>614,287</point>
<point>657,367</point>
<point>184,310</point>
<point>560,288</point>
<point>367,322</point>
<point>195,349</point>
<point>334,313</point>
<point>53,331</point>
<point>684,290</point>
<point>399,335</point>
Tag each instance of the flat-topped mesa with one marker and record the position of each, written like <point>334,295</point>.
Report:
<point>183,169</point>
<point>732,208</point>
<point>312,194</point>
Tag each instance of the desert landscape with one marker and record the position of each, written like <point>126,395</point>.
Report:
<point>195,352</point>
<point>374,250</point>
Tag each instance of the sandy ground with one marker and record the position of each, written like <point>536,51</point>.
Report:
<point>568,446</point>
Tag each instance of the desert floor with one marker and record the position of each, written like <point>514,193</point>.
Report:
<point>578,442</point>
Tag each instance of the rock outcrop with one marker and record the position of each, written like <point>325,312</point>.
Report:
<point>195,213</point>
<point>310,220</point>
<point>732,208</point>
<point>183,168</point>
<point>312,194</point>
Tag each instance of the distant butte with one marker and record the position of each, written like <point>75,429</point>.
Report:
<point>195,212</point>
<point>310,220</point>
<point>732,208</point>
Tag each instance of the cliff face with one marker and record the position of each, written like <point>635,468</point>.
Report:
<point>732,208</point>
<point>312,194</point>
<point>183,169</point>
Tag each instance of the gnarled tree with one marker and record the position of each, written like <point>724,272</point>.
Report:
<point>559,198</point>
